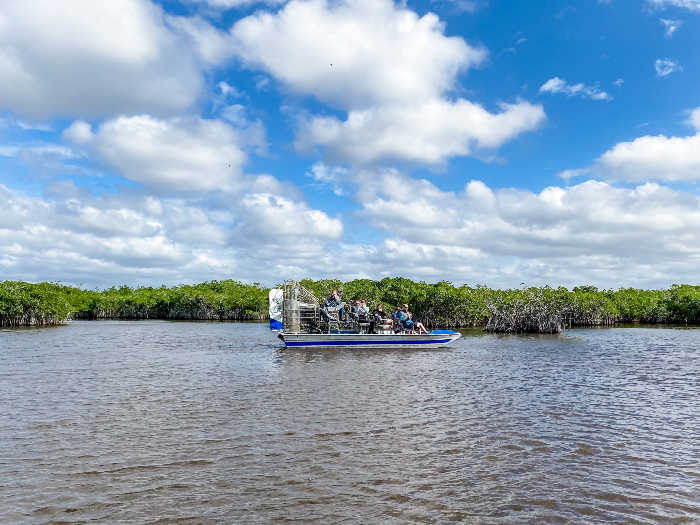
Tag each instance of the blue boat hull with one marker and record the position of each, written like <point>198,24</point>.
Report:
<point>434,339</point>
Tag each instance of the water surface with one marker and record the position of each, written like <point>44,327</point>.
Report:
<point>175,422</point>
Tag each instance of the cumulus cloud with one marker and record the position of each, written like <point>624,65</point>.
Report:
<point>650,157</point>
<point>653,158</point>
<point>666,66</point>
<point>591,232</point>
<point>558,85</point>
<point>691,5</point>
<point>278,217</point>
<point>387,68</point>
<point>141,239</point>
<point>426,133</point>
<point>355,53</point>
<point>588,232</point>
<point>210,219</point>
<point>173,155</point>
<point>79,237</point>
<point>82,58</point>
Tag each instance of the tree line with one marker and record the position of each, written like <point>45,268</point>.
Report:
<point>26,304</point>
<point>528,309</point>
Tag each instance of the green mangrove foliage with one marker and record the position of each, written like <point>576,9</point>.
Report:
<point>25,304</point>
<point>215,300</point>
<point>441,304</point>
<point>522,310</point>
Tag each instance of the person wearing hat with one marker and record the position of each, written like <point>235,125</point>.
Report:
<point>405,319</point>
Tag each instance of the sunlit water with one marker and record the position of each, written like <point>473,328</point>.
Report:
<point>213,422</point>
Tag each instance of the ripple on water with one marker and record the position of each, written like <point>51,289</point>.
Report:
<point>158,422</point>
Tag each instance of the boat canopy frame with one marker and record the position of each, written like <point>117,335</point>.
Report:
<point>301,309</point>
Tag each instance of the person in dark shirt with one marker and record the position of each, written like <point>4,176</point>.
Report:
<point>354,309</point>
<point>380,319</point>
<point>335,300</point>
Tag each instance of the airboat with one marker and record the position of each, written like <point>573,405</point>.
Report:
<point>301,321</point>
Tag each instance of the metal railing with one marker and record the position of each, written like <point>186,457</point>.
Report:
<point>301,309</point>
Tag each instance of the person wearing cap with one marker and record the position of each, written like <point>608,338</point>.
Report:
<point>405,319</point>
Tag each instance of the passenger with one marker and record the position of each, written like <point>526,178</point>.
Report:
<point>380,319</point>
<point>363,311</point>
<point>417,325</point>
<point>354,309</point>
<point>397,316</point>
<point>405,319</point>
<point>336,301</point>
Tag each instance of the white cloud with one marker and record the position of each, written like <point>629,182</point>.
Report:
<point>95,240</point>
<point>570,174</point>
<point>666,66</point>
<point>558,85</point>
<point>650,157</point>
<point>692,5</point>
<point>41,149</point>
<point>278,217</point>
<point>82,58</point>
<point>619,82</point>
<point>694,119</point>
<point>212,45</point>
<point>670,26</point>
<point>335,176</point>
<point>173,155</point>
<point>426,133</point>
<point>232,4</point>
<point>388,68</point>
<point>79,132</point>
<point>653,158</point>
<point>590,232</point>
<point>138,239</point>
<point>41,156</point>
<point>355,53</point>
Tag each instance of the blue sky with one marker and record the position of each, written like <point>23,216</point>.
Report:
<point>482,142</point>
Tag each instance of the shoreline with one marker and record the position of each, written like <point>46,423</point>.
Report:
<point>437,305</point>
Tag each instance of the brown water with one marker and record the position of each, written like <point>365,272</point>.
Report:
<point>166,422</point>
